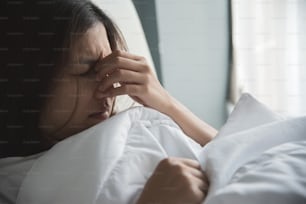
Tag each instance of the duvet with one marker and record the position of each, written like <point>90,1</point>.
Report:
<point>257,157</point>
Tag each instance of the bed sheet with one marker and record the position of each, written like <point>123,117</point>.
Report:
<point>258,156</point>
<point>263,160</point>
<point>108,163</point>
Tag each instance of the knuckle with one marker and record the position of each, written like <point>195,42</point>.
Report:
<point>118,52</point>
<point>146,68</point>
<point>186,177</point>
<point>120,72</point>
<point>179,170</point>
<point>173,165</point>
<point>142,59</point>
<point>146,77</point>
<point>146,88</point>
<point>167,162</point>
<point>117,59</point>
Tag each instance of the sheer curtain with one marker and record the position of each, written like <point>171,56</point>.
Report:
<point>269,53</point>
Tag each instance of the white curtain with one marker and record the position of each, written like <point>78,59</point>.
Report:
<point>269,50</point>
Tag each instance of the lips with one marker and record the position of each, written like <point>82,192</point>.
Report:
<point>100,115</point>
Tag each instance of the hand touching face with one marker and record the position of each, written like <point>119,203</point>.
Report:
<point>135,77</point>
<point>84,90</point>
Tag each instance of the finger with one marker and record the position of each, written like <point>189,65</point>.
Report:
<point>191,163</point>
<point>123,77</point>
<point>202,185</point>
<point>117,54</point>
<point>128,55</point>
<point>197,173</point>
<point>198,188</point>
<point>105,68</point>
<point>199,195</point>
<point>129,89</point>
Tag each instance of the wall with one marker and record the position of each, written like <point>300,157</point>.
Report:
<point>146,10</point>
<point>193,40</point>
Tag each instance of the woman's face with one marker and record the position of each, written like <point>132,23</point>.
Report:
<point>72,106</point>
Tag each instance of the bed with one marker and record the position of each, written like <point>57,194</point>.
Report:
<point>257,157</point>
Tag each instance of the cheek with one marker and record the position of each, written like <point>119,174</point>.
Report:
<point>86,90</point>
<point>59,109</point>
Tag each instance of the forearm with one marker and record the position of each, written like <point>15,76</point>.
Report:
<point>138,81</point>
<point>192,126</point>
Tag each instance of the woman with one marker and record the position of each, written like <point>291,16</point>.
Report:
<point>64,65</point>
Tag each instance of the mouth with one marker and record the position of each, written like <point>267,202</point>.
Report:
<point>102,115</point>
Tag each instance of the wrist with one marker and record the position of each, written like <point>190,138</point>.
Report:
<point>170,105</point>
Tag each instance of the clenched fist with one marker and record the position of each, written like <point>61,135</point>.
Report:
<point>175,180</point>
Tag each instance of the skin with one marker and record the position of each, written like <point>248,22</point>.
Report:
<point>182,179</point>
<point>67,112</point>
<point>138,81</point>
<point>175,181</point>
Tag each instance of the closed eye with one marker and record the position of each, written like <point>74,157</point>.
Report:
<point>91,71</point>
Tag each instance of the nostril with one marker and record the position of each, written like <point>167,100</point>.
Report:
<point>106,104</point>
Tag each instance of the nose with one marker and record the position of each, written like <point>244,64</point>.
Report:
<point>105,103</point>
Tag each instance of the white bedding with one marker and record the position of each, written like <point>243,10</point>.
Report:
<point>108,163</point>
<point>259,161</point>
<point>257,157</point>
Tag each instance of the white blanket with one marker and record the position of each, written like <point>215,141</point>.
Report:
<point>257,157</point>
<point>111,162</point>
<point>108,163</point>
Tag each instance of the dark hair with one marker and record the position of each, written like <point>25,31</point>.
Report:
<point>33,40</point>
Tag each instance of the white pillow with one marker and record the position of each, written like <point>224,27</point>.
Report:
<point>251,130</point>
<point>277,176</point>
<point>248,113</point>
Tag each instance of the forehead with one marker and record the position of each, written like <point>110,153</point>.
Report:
<point>92,43</point>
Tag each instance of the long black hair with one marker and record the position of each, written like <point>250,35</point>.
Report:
<point>34,39</point>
